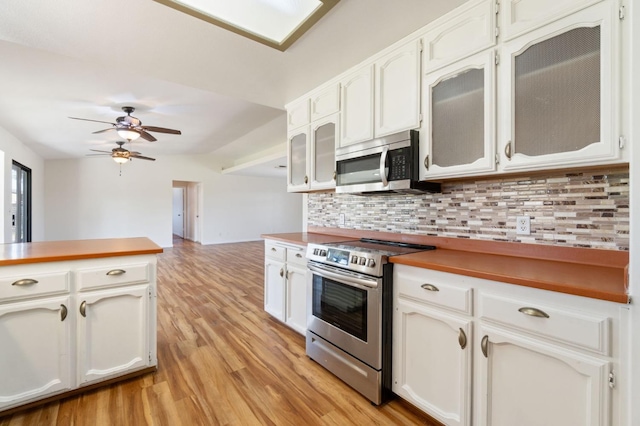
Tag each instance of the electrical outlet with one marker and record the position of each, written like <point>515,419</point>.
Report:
<point>342,218</point>
<point>523,225</point>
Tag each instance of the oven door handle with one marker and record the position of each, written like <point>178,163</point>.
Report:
<point>343,277</point>
<point>383,163</point>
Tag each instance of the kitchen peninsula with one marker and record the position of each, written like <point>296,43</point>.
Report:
<point>74,315</point>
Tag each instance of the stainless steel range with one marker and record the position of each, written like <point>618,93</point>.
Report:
<point>350,312</point>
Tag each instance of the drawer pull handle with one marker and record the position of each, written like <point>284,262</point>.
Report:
<point>26,281</point>
<point>430,287</point>
<point>116,272</point>
<point>298,255</point>
<point>484,345</point>
<point>83,308</point>
<point>462,339</point>
<point>63,312</point>
<point>534,312</point>
<point>273,249</point>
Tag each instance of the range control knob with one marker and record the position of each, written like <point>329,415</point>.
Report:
<point>323,253</point>
<point>362,261</point>
<point>371,263</point>
<point>354,259</point>
<point>316,251</point>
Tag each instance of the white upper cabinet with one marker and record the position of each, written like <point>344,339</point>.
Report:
<point>457,137</point>
<point>520,16</point>
<point>298,159</point>
<point>324,134</point>
<point>298,114</point>
<point>467,30</point>
<point>559,94</point>
<point>356,101</point>
<point>397,90</point>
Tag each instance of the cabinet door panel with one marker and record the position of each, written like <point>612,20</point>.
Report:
<point>113,334</point>
<point>430,369</point>
<point>356,99</point>
<point>520,376</point>
<point>324,134</point>
<point>397,102</point>
<point>559,103</point>
<point>297,298</point>
<point>274,288</point>
<point>465,33</point>
<point>458,135</point>
<point>519,16</point>
<point>298,114</point>
<point>325,102</point>
<point>35,349</point>
<point>298,160</point>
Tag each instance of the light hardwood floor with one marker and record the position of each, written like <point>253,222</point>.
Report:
<point>221,359</point>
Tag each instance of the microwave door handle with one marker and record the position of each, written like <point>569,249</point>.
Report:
<point>383,162</point>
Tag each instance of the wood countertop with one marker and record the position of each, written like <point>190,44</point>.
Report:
<point>54,251</point>
<point>599,274</point>
<point>305,238</point>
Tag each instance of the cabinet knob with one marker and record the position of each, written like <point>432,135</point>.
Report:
<point>116,272</point>
<point>306,179</point>
<point>335,175</point>
<point>484,345</point>
<point>462,339</point>
<point>281,272</point>
<point>25,281</point>
<point>83,308</point>
<point>426,162</point>
<point>63,312</point>
<point>533,312</point>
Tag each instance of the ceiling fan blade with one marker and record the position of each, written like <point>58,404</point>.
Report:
<point>96,121</point>
<point>97,155</point>
<point>146,136</point>
<point>105,130</point>
<point>97,150</point>
<point>161,130</point>
<point>141,157</point>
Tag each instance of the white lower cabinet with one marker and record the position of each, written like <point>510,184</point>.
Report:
<point>528,382</point>
<point>113,332</point>
<point>35,350</point>
<point>285,284</point>
<point>532,357</point>
<point>56,337</point>
<point>432,361</point>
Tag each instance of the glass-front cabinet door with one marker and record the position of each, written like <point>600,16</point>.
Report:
<point>458,136</point>
<point>559,108</point>
<point>297,167</point>
<point>324,135</point>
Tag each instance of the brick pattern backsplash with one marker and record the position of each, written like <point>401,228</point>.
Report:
<point>583,209</point>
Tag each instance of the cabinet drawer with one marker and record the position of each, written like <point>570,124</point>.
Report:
<point>582,330</point>
<point>296,256</point>
<point>434,288</point>
<point>112,276</point>
<point>274,251</point>
<point>24,285</point>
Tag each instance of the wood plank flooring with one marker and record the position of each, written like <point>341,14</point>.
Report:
<point>221,359</point>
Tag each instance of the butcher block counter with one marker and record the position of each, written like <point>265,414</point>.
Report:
<point>598,274</point>
<point>74,315</point>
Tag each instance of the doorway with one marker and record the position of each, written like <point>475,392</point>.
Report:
<point>20,203</point>
<point>187,207</point>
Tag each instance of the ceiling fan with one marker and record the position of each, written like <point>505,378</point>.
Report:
<point>131,128</point>
<point>121,155</point>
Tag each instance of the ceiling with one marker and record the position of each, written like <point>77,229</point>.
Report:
<point>226,93</point>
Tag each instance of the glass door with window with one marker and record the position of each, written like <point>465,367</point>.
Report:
<point>20,203</point>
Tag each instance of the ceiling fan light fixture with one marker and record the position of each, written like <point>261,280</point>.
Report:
<point>120,160</point>
<point>130,135</point>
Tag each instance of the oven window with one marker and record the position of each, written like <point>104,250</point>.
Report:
<point>340,305</point>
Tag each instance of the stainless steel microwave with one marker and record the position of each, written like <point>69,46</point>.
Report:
<point>385,165</point>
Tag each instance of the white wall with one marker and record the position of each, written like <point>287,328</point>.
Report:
<point>86,198</point>
<point>15,150</point>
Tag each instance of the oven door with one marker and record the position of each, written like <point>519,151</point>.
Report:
<point>346,310</point>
